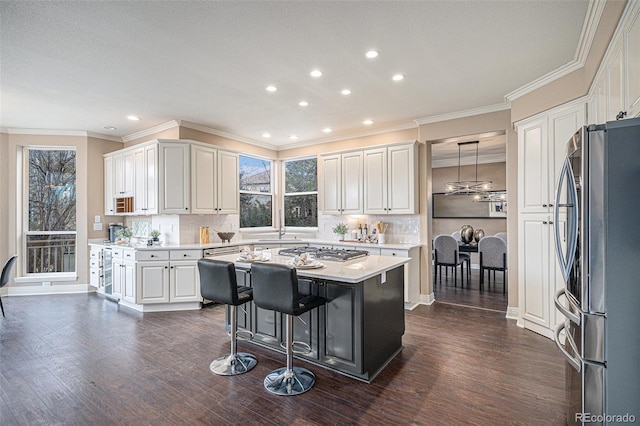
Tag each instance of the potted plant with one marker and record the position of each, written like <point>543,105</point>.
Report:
<point>125,234</point>
<point>154,235</point>
<point>340,229</point>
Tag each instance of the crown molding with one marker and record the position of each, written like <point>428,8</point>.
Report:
<point>385,129</point>
<point>223,134</point>
<point>104,137</point>
<point>150,131</point>
<point>482,159</point>
<point>44,132</point>
<point>462,114</point>
<point>589,27</point>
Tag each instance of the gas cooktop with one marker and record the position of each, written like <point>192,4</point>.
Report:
<point>325,254</point>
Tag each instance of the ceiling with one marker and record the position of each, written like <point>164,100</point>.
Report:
<point>87,65</point>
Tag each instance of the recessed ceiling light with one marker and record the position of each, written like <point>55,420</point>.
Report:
<point>266,135</point>
<point>293,137</point>
<point>109,127</point>
<point>398,77</point>
<point>316,73</point>
<point>133,118</point>
<point>367,121</point>
<point>327,130</point>
<point>371,54</point>
<point>346,92</point>
<point>303,103</point>
<point>271,88</point>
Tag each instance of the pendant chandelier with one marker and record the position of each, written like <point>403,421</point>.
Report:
<point>468,187</point>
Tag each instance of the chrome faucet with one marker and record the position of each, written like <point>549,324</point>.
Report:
<point>281,228</point>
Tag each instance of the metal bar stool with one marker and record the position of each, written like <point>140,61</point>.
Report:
<point>275,287</point>
<point>218,283</point>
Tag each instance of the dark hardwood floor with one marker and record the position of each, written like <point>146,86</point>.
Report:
<point>491,297</point>
<point>79,360</point>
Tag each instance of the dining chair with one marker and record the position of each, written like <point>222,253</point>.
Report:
<point>4,278</point>
<point>446,253</point>
<point>456,235</point>
<point>502,235</point>
<point>493,257</point>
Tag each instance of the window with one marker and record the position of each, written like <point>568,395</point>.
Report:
<point>301,192</point>
<point>50,222</point>
<point>256,196</point>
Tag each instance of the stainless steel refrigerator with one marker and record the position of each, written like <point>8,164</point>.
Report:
<point>597,219</point>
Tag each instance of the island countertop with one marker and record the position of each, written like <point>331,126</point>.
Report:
<point>351,271</point>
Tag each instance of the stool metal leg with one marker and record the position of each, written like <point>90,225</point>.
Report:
<point>235,362</point>
<point>289,380</point>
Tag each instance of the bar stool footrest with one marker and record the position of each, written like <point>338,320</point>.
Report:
<point>301,349</point>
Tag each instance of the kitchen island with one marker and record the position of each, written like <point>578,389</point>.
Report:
<point>357,332</point>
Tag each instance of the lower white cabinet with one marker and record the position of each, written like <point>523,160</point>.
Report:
<point>124,279</point>
<point>175,280</point>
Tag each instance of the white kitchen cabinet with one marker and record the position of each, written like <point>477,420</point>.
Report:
<point>390,185</point>
<point>123,174</point>
<point>616,84</point>
<point>174,177</point>
<point>152,279</point>
<point>341,180</point>
<point>542,142</point>
<point>168,276</point>
<point>146,180</point>
<point>109,199</point>
<point>214,181</point>
<point>124,286</point>
<point>96,269</point>
<point>632,60</point>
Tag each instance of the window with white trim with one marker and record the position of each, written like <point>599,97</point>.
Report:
<point>256,192</point>
<point>301,192</point>
<point>49,220</point>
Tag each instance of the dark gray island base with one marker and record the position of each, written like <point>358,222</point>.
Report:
<point>357,333</point>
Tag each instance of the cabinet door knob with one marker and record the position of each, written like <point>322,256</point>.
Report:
<point>166,267</point>
<point>550,222</point>
<point>544,222</point>
<point>153,255</point>
<point>544,205</point>
<point>184,255</point>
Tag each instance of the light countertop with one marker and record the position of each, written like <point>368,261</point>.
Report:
<point>351,271</point>
<point>254,242</point>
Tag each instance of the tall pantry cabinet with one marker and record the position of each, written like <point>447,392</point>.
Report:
<point>542,141</point>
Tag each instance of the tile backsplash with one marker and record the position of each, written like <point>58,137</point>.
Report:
<point>185,229</point>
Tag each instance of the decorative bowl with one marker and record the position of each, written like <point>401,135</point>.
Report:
<point>226,236</point>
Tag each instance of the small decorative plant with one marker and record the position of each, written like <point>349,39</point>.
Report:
<point>340,229</point>
<point>125,234</point>
<point>155,234</point>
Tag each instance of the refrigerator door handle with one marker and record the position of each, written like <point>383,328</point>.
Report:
<point>574,362</point>
<point>571,220</point>
<point>563,310</point>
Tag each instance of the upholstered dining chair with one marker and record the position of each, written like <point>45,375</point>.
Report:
<point>446,253</point>
<point>4,278</point>
<point>502,235</point>
<point>493,257</point>
<point>456,235</point>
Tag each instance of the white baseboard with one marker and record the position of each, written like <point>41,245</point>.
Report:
<point>512,313</point>
<point>39,290</point>
<point>427,299</point>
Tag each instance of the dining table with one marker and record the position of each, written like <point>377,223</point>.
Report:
<point>467,247</point>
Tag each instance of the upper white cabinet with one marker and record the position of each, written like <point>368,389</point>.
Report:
<point>214,181</point>
<point>145,196</point>
<point>174,177</point>
<point>390,179</point>
<point>123,164</point>
<point>109,199</point>
<point>632,60</point>
<point>541,149</point>
<point>342,183</point>
<point>616,90</point>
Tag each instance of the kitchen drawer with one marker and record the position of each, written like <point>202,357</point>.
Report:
<point>96,253</point>
<point>117,253</point>
<point>394,252</point>
<point>185,254</point>
<point>152,255</point>
<point>95,262</point>
<point>95,277</point>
